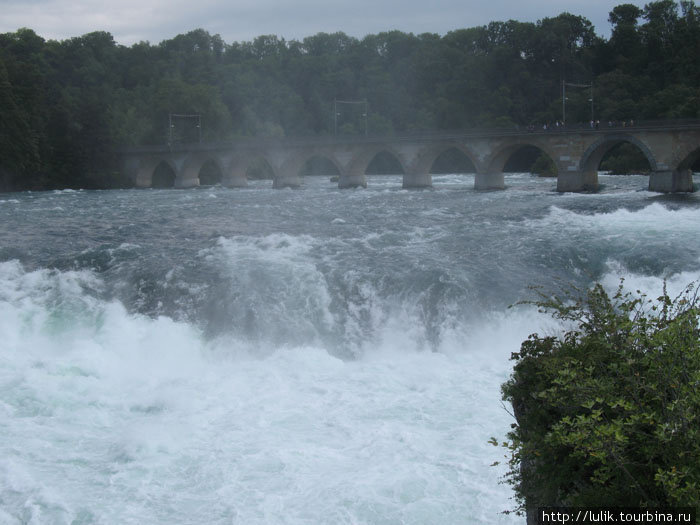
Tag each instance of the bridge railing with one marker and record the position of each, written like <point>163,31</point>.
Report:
<point>427,135</point>
<point>553,127</point>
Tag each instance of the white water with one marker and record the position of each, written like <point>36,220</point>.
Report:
<point>110,416</point>
<point>117,418</point>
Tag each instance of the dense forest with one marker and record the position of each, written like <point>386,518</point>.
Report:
<point>66,105</point>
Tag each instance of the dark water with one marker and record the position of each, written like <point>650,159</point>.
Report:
<point>310,356</point>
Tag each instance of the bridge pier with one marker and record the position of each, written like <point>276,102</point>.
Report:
<point>286,181</point>
<point>352,181</point>
<point>489,181</point>
<point>235,181</point>
<point>671,181</point>
<point>577,181</point>
<point>186,182</point>
<point>417,180</point>
<point>144,179</point>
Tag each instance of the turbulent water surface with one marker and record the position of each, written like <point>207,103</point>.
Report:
<point>317,356</point>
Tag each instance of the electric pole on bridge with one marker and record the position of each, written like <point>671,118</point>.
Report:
<point>197,118</point>
<point>336,114</point>
<point>564,83</point>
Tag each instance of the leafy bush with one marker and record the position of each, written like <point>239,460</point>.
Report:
<point>544,167</point>
<point>609,413</point>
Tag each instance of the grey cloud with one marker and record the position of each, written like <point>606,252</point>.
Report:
<point>155,20</point>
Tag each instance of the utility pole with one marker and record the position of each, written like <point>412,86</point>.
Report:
<point>564,83</point>
<point>563,102</point>
<point>365,113</point>
<point>335,117</point>
<point>198,124</point>
<point>365,116</point>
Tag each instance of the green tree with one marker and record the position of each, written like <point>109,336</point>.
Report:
<point>625,41</point>
<point>658,36</point>
<point>81,97</point>
<point>19,155</point>
<point>608,414</point>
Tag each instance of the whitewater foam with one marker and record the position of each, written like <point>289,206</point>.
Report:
<point>245,360</point>
<point>132,410</point>
<point>650,285</point>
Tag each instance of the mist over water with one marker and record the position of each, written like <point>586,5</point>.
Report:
<point>311,356</point>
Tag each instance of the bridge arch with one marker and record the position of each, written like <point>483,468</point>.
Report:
<point>163,175</point>
<point>259,167</point>
<point>320,164</point>
<point>355,174</point>
<point>591,158</point>
<point>306,163</point>
<point>430,156</point>
<point>147,167</point>
<point>497,161</point>
<point>386,163</point>
<point>360,163</point>
<point>211,172</point>
<point>688,159</point>
<point>491,176</point>
<point>678,173</point>
<point>156,172</point>
<point>200,166</point>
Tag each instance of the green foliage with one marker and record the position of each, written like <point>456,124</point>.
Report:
<point>20,153</point>
<point>68,104</point>
<point>544,166</point>
<point>624,159</point>
<point>608,414</point>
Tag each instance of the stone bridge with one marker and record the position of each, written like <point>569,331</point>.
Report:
<point>670,148</point>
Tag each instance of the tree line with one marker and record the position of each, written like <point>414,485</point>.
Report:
<point>66,105</point>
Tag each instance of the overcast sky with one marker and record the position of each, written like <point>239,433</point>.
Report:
<point>132,21</point>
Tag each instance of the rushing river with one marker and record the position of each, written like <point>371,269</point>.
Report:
<point>317,356</point>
